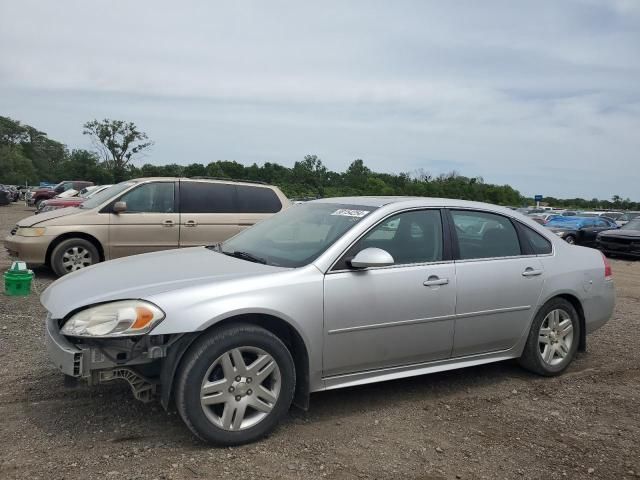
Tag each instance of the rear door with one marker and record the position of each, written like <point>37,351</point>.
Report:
<point>208,212</point>
<point>150,223</point>
<point>498,283</point>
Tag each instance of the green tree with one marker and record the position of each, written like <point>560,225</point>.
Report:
<point>117,142</point>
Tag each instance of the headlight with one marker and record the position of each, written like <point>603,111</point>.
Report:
<point>116,319</point>
<point>30,231</point>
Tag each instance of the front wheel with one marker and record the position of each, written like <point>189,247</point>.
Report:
<point>570,239</point>
<point>553,339</point>
<point>73,254</point>
<point>235,384</point>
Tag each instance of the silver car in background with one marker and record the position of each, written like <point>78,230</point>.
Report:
<point>327,294</point>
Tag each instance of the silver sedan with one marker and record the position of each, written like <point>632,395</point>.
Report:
<point>327,294</point>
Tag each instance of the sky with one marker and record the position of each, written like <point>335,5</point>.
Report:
<point>543,95</point>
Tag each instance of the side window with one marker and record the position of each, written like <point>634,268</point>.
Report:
<point>600,223</point>
<point>539,244</point>
<point>257,200</point>
<point>207,197</point>
<point>150,198</point>
<point>410,237</point>
<point>484,235</point>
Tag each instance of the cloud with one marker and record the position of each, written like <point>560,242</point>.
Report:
<point>507,90</point>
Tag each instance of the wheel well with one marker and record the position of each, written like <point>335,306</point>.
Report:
<point>66,236</point>
<point>280,328</point>
<point>582,346</point>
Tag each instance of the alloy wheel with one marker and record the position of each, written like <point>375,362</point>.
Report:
<point>240,388</point>
<point>555,337</point>
<point>75,258</point>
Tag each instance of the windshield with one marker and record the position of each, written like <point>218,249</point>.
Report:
<point>632,225</point>
<point>106,194</point>
<point>296,236</point>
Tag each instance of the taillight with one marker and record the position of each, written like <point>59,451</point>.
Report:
<point>608,273</point>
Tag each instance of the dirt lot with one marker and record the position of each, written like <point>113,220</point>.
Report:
<point>488,422</point>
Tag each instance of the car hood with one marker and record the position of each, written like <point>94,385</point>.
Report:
<point>628,233</point>
<point>141,276</point>
<point>43,217</point>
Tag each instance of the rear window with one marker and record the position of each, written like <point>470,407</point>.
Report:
<point>484,235</point>
<point>257,200</point>
<point>539,244</point>
<point>203,197</point>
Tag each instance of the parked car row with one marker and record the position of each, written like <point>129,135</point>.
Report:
<point>70,198</point>
<point>8,194</point>
<point>44,193</point>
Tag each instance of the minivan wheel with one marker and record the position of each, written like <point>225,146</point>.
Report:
<point>553,339</point>
<point>73,254</point>
<point>235,384</point>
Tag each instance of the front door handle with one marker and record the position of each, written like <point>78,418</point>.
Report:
<point>190,223</point>
<point>531,272</point>
<point>434,280</point>
<point>168,223</point>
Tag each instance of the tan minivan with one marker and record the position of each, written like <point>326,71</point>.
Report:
<point>140,216</point>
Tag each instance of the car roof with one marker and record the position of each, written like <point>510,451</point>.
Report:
<point>380,201</point>
<point>201,179</point>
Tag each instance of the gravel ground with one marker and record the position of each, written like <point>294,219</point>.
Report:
<point>494,421</point>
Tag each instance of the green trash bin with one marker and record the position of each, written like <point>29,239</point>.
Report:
<point>17,280</point>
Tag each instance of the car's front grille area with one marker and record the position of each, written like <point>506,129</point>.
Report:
<point>623,241</point>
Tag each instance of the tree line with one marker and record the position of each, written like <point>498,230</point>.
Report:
<point>28,155</point>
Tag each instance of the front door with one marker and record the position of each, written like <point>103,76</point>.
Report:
<point>150,222</point>
<point>498,286</point>
<point>397,315</point>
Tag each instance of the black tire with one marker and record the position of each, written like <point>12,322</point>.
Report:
<point>531,358</point>
<point>571,239</point>
<point>38,202</point>
<point>196,364</point>
<point>58,253</point>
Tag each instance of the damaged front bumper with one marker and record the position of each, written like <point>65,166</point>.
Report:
<point>102,363</point>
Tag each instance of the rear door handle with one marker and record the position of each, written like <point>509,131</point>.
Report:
<point>168,223</point>
<point>434,280</point>
<point>530,272</point>
<point>190,223</point>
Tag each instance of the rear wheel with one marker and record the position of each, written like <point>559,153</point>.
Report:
<point>73,254</point>
<point>570,239</point>
<point>553,339</point>
<point>235,384</point>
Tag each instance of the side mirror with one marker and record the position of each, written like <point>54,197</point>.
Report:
<point>119,207</point>
<point>372,257</point>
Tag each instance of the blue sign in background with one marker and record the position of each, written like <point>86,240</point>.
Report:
<point>538,198</point>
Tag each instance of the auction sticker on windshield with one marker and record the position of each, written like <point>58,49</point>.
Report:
<point>344,212</point>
